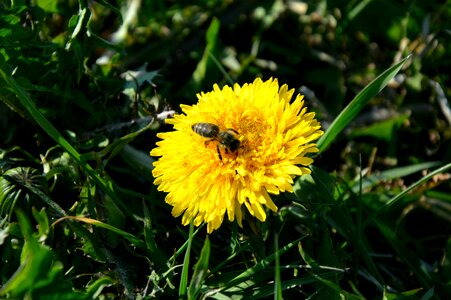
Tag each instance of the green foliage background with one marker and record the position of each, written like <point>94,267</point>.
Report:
<point>86,85</point>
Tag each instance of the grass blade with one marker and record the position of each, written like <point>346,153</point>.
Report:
<point>405,254</point>
<point>200,271</point>
<point>277,280</point>
<point>40,119</point>
<point>395,199</point>
<point>259,266</point>
<point>130,237</point>
<point>392,174</point>
<point>184,277</point>
<point>356,105</point>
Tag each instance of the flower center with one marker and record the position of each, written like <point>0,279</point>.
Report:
<point>253,134</point>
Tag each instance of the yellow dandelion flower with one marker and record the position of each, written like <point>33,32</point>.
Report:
<point>234,148</point>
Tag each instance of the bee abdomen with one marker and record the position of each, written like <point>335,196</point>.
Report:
<point>207,130</point>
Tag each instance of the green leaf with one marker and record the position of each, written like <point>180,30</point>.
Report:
<point>139,161</point>
<point>38,271</point>
<point>429,294</point>
<point>26,101</point>
<point>96,287</point>
<point>405,254</point>
<point>157,255</point>
<point>134,79</point>
<point>130,237</point>
<point>384,130</point>
<point>277,277</point>
<point>112,8</point>
<point>43,222</point>
<point>80,23</point>
<point>398,197</point>
<point>356,105</point>
<point>357,10</point>
<point>200,271</point>
<point>391,174</point>
<point>48,5</point>
<point>212,38</point>
<point>261,265</point>
<point>184,277</point>
<point>341,219</point>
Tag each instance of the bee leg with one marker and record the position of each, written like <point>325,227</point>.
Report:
<point>219,152</point>
<point>207,142</point>
<point>231,129</point>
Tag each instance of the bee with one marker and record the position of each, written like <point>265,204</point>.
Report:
<point>227,139</point>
